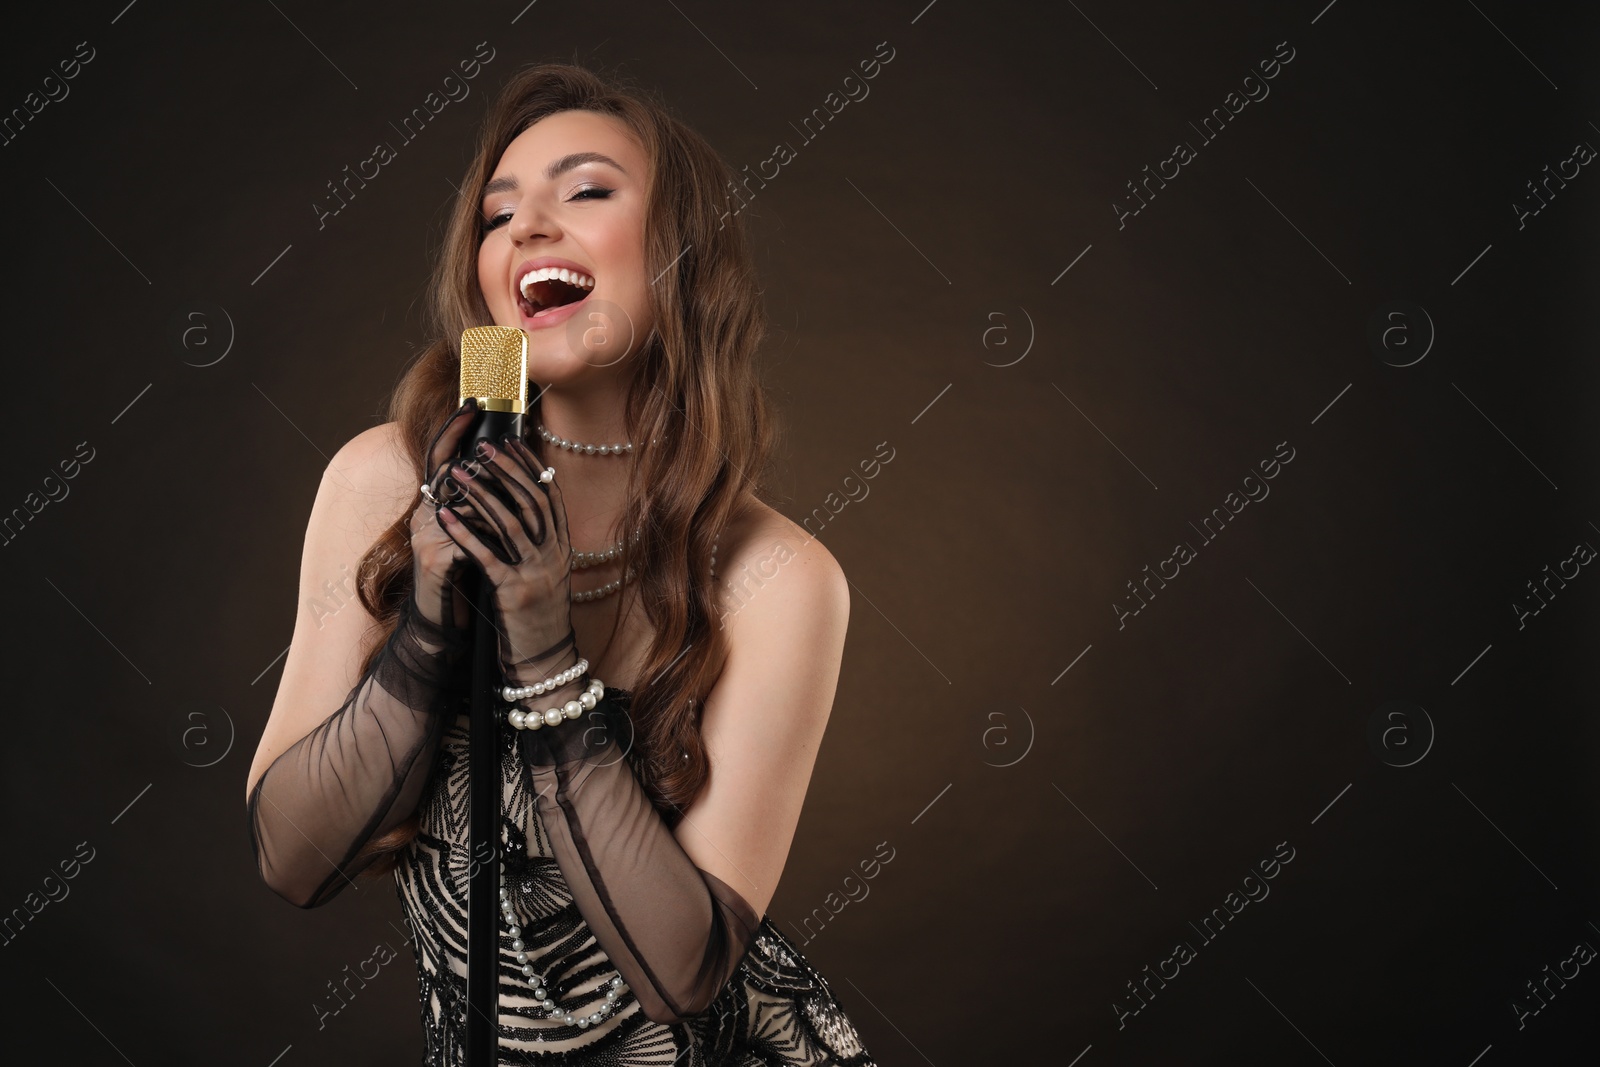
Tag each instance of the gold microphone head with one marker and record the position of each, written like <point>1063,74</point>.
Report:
<point>494,368</point>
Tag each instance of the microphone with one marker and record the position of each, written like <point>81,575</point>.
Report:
<point>494,371</point>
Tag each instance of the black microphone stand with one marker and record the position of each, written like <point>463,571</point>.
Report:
<point>483,817</point>
<point>483,797</point>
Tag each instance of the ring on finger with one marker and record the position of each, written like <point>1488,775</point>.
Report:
<point>427,494</point>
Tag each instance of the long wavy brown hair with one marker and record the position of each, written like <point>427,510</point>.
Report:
<point>697,387</point>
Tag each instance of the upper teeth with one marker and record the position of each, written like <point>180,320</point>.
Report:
<point>545,274</point>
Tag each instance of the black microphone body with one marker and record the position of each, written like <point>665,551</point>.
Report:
<point>490,426</point>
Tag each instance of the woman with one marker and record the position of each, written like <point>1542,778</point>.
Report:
<point>639,858</point>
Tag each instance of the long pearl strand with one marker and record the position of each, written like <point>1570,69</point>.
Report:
<point>533,720</point>
<point>614,988</point>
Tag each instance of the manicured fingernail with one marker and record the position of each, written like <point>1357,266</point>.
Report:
<point>447,515</point>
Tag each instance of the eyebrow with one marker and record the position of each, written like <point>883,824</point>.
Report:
<point>555,170</point>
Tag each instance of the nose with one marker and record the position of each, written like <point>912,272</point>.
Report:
<point>529,223</point>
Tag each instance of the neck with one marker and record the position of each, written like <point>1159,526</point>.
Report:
<point>593,488</point>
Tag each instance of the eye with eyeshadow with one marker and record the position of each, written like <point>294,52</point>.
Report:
<point>590,192</point>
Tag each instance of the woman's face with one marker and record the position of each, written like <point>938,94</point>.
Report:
<point>569,194</point>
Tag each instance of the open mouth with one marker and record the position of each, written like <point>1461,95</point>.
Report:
<point>552,287</point>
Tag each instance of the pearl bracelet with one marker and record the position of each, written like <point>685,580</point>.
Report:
<point>513,693</point>
<point>572,709</point>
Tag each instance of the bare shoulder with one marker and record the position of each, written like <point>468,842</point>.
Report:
<point>374,467</point>
<point>765,556</point>
<point>368,485</point>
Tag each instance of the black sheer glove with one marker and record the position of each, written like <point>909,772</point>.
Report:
<point>361,771</point>
<point>526,556</point>
<point>676,933</point>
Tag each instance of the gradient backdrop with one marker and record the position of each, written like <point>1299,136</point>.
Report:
<point>1233,561</point>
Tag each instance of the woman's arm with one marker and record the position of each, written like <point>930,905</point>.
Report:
<point>322,785</point>
<point>676,910</point>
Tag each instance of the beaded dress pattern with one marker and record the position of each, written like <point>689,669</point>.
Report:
<point>776,1009</point>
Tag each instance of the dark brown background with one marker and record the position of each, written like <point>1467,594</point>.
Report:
<point>925,226</point>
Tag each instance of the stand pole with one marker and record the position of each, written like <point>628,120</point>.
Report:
<point>483,871</point>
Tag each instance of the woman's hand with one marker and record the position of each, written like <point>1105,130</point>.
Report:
<point>437,561</point>
<point>526,554</point>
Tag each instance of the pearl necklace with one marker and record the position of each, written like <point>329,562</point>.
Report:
<point>583,560</point>
<point>617,583</point>
<point>603,591</point>
<point>624,449</point>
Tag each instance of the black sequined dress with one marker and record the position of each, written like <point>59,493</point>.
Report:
<point>775,1009</point>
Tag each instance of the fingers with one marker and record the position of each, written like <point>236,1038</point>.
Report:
<point>554,510</point>
<point>557,504</point>
<point>447,442</point>
<point>446,445</point>
<point>515,540</point>
<point>526,458</point>
<point>521,485</point>
<point>494,508</point>
<point>466,538</point>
